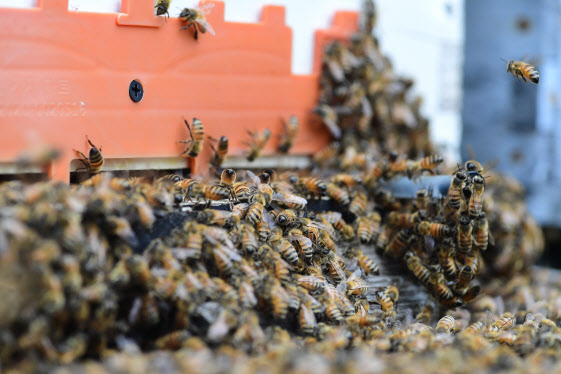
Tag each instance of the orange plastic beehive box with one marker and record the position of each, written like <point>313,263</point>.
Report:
<point>66,74</point>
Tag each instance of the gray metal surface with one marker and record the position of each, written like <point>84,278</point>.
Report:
<point>508,120</point>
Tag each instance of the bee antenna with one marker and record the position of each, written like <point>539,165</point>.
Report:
<point>503,60</point>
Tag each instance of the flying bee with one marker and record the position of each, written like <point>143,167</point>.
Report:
<point>436,230</point>
<point>41,156</point>
<point>476,200</point>
<point>195,145</point>
<point>428,163</point>
<point>290,131</point>
<point>257,143</point>
<point>162,7</point>
<point>406,220</point>
<point>196,18</point>
<point>329,117</point>
<point>455,189</point>
<point>523,70</point>
<point>327,154</point>
<point>220,152</point>
<point>94,163</point>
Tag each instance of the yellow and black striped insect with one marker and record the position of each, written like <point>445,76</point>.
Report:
<point>162,7</point>
<point>195,145</point>
<point>220,152</point>
<point>94,163</point>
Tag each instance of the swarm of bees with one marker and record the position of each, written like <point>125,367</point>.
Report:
<point>253,268</point>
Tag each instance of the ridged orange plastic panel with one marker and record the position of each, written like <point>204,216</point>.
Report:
<point>65,74</point>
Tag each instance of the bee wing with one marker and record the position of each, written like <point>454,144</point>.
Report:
<point>362,311</point>
<point>300,238</point>
<point>356,275</point>
<point>308,315</point>
<point>332,127</point>
<point>204,23</point>
<point>183,253</point>
<point>218,329</point>
<point>289,198</point>
<point>310,278</point>
<point>332,217</point>
<point>341,289</point>
<point>338,269</point>
<point>330,290</point>
<point>254,178</point>
<point>206,8</point>
<point>230,253</point>
<point>366,107</point>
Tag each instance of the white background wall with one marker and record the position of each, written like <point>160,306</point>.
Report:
<point>423,38</point>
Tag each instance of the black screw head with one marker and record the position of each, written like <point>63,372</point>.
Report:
<point>136,92</point>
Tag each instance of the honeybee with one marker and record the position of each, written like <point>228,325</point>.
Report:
<point>358,204</point>
<point>398,243</point>
<point>446,259</point>
<point>290,131</point>
<point>257,143</point>
<point>476,200</point>
<point>356,285</point>
<point>94,163</point>
<point>196,18</point>
<point>455,189</point>
<point>366,263</point>
<point>481,233</point>
<point>523,70</point>
<point>162,7</point>
<point>406,220</point>
<point>312,185</point>
<point>215,217</point>
<point>436,230</point>
<point>428,163</point>
<point>195,145</point>
<point>464,236</point>
<point>254,213</point>
<point>215,192</point>
<point>475,328</point>
<point>445,324</point>
<point>338,194</point>
<point>414,265</point>
<point>220,152</point>
<point>312,283</point>
<point>327,154</point>
<point>304,244</point>
<point>307,319</point>
<point>425,315</point>
<point>42,157</point>
<point>227,179</point>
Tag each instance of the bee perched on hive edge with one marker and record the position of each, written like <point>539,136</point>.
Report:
<point>195,145</point>
<point>258,142</point>
<point>196,18</point>
<point>290,131</point>
<point>94,163</point>
<point>523,70</point>
<point>162,7</point>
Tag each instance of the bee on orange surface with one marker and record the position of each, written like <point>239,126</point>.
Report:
<point>196,18</point>
<point>94,163</point>
<point>523,70</point>
<point>195,145</point>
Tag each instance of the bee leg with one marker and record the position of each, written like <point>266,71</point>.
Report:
<point>188,128</point>
<point>196,35</point>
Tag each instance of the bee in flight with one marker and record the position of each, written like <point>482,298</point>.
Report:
<point>523,70</point>
<point>162,7</point>
<point>195,145</point>
<point>196,18</point>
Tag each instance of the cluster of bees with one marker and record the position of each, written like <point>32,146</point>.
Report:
<point>273,265</point>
